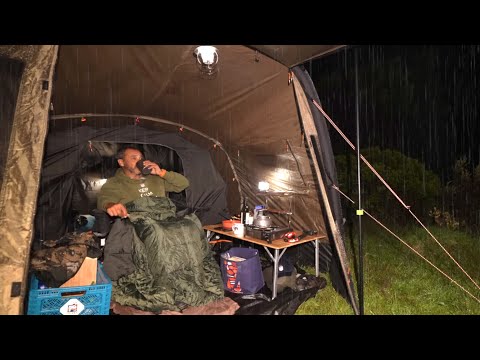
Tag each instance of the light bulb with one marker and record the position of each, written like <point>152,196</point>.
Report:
<point>207,60</point>
<point>206,55</point>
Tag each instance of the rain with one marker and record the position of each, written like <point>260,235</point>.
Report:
<point>418,100</point>
<point>413,107</point>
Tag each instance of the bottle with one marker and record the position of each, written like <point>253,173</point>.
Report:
<point>250,218</point>
<point>245,213</point>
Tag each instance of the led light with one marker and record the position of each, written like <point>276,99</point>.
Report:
<point>263,186</point>
<point>207,60</point>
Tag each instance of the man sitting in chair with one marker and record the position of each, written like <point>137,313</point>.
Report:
<point>129,183</point>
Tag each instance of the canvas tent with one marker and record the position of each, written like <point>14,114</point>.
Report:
<point>253,121</point>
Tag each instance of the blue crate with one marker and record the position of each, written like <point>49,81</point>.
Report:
<point>49,301</point>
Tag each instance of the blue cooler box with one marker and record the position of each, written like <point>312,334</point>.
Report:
<point>78,300</point>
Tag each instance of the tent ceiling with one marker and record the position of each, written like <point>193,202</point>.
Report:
<point>291,55</point>
<point>250,92</point>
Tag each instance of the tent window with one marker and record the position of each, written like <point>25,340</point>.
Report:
<point>10,78</point>
<point>98,163</point>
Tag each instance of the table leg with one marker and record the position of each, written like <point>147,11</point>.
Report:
<point>317,260</point>
<point>210,235</point>
<point>276,259</point>
<point>275,273</point>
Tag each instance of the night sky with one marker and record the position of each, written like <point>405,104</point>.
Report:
<point>420,100</point>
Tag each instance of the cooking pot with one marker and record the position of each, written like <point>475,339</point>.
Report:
<point>262,220</point>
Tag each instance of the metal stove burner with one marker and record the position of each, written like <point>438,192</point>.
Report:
<point>267,233</point>
<point>269,228</point>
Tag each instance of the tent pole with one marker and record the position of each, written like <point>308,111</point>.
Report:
<point>359,211</point>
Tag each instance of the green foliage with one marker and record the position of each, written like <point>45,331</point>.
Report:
<point>398,282</point>
<point>444,218</point>
<point>326,302</point>
<point>416,186</point>
<point>463,195</point>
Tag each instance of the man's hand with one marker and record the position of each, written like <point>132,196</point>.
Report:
<point>155,168</point>
<point>117,210</point>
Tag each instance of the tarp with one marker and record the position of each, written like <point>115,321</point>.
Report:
<point>18,195</point>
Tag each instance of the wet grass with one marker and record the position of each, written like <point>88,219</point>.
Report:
<point>398,282</point>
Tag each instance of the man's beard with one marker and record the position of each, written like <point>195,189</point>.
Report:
<point>134,171</point>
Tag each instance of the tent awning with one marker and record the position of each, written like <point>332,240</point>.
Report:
<point>291,55</point>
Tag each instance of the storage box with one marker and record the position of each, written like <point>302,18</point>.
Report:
<point>77,300</point>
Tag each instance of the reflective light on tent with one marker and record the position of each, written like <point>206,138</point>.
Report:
<point>97,184</point>
<point>263,186</point>
<point>207,60</point>
<point>282,174</point>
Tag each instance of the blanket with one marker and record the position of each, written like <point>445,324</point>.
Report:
<point>174,266</point>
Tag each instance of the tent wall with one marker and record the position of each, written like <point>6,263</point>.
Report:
<point>206,194</point>
<point>11,71</point>
<point>18,195</point>
<point>315,128</point>
<point>249,107</point>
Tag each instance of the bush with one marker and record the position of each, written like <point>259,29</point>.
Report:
<point>417,187</point>
<point>462,195</point>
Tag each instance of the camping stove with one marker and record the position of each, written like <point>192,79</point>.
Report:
<point>266,233</point>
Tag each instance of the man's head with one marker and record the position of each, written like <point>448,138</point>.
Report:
<point>127,158</point>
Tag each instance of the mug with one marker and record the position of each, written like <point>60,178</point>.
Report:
<point>239,229</point>
<point>145,170</point>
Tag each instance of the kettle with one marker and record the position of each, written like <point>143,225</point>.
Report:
<point>262,220</point>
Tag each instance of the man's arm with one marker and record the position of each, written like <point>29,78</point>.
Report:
<point>107,196</point>
<point>109,201</point>
<point>175,182</point>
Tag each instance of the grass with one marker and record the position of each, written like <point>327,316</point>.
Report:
<point>398,282</point>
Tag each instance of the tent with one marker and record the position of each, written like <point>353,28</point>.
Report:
<point>250,120</point>
<point>72,154</point>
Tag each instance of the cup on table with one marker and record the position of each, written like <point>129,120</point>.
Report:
<point>239,229</point>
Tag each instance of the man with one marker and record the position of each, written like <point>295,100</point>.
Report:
<point>129,183</point>
<point>157,260</point>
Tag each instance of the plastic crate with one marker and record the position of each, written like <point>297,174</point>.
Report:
<point>78,300</point>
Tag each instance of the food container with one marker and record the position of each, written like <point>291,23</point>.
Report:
<point>227,224</point>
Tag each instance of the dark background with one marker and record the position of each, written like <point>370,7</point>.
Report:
<point>419,99</point>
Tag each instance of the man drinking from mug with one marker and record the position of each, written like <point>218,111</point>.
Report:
<point>129,183</point>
